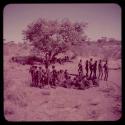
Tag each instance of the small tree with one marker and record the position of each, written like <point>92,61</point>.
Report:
<point>50,38</point>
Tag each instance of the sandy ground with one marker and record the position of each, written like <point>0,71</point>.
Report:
<point>24,103</point>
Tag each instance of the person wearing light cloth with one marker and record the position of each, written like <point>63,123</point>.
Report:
<point>31,71</point>
<point>61,77</point>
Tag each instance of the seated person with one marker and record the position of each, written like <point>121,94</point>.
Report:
<point>95,82</point>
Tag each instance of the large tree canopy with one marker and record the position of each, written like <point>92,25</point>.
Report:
<point>50,37</point>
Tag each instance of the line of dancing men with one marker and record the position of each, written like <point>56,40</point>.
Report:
<point>41,77</point>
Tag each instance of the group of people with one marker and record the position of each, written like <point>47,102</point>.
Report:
<point>92,67</point>
<point>41,77</point>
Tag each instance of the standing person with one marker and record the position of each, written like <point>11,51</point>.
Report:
<point>62,77</point>
<point>39,76</point>
<point>54,76</point>
<point>66,75</point>
<point>94,69</point>
<point>49,76</point>
<point>69,81</point>
<point>45,78</point>
<point>87,67</point>
<point>36,76</point>
<point>31,71</point>
<point>57,77</point>
<point>42,78</point>
<point>106,70</point>
<point>100,69</point>
<point>80,68</point>
<point>91,67</point>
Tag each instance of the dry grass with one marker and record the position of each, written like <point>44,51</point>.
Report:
<point>24,103</point>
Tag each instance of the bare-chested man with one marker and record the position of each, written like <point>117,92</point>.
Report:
<point>87,67</point>
<point>94,69</point>
<point>80,68</point>
<point>36,76</point>
<point>91,67</point>
<point>106,70</point>
<point>100,69</point>
<point>54,76</point>
<point>66,74</point>
<point>39,76</point>
<point>42,78</point>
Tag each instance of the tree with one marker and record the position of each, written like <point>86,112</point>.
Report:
<point>50,37</point>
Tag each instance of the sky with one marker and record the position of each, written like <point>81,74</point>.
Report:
<point>104,20</point>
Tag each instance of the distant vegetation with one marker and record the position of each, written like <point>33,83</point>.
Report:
<point>45,40</point>
<point>97,49</point>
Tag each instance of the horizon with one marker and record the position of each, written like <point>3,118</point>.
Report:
<point>104,20</point>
